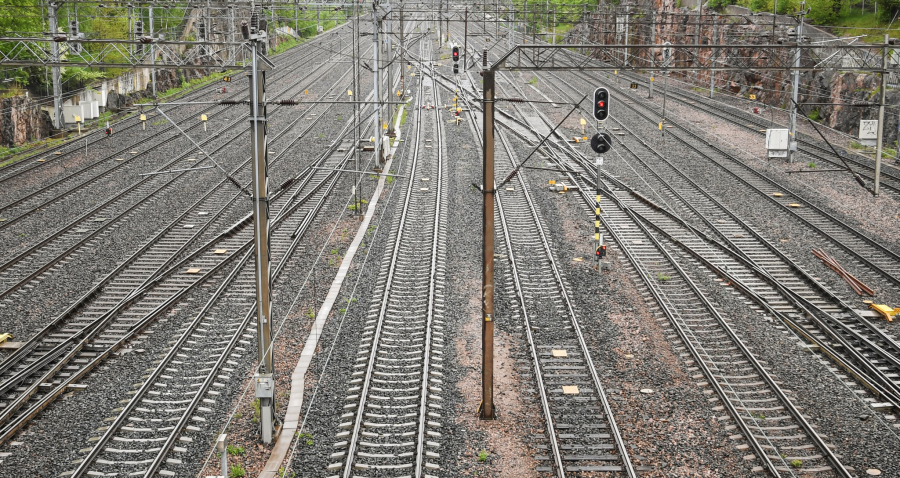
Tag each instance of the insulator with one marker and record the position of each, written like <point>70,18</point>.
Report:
<point>254,21</point>
<point>286,184</point>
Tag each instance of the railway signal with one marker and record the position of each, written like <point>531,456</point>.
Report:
<point>455,60</point>
<point>601,142</point>
<point>601,249</point>
<point>601,104</point>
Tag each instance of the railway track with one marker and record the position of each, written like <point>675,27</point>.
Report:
<point>743,256</point>
<point>777,432</point>
<point>177,391</point>
<point>394,404</point>
<point>133,296</point>
<point>694,316</point>
<point>880,261</point>
<point>98,145</point>
<point>810,147</point>
<point>127,163</point>
<point>779,435</point>
<point>32,263</point>
<point>77,342</point>
<point>581,430</point>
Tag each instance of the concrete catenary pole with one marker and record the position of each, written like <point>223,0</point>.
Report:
<point>264,378</point>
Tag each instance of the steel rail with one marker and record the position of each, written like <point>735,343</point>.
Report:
<point>99,446</point>
<point>695,353</point>
<point>310,78</point>
<point>96,325</point>
<point>734,338</point>
<point>627,465</point>
<point>885,389</point>
<point>147,198</point>
<point>122,125</point>
<point>709,374</point>
<point>614,429</point>
<point>853,232</point>
<point>770,382</point>
<point>426,364</point>
<point>353,441</point>
<point>720,113</point>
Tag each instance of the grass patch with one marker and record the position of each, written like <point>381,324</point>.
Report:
<point>305,438</point>
<point>6,153</point>
<point>282,473</point>
<point>815,115</point>
<point>662,277</point>
<point>235,450</point>
<point>256,411</point>
<point>811,165</point>
<point>237,471</point>
<point>857,22</point>
<point>483,456</point>
<point>286,45</point>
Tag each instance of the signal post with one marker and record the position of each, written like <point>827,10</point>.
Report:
<point>601,142</point>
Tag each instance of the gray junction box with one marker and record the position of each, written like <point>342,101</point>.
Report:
<point>777,142</point>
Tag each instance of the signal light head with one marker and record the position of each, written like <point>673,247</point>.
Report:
<point>601,104</point>
<point>456,53</point>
